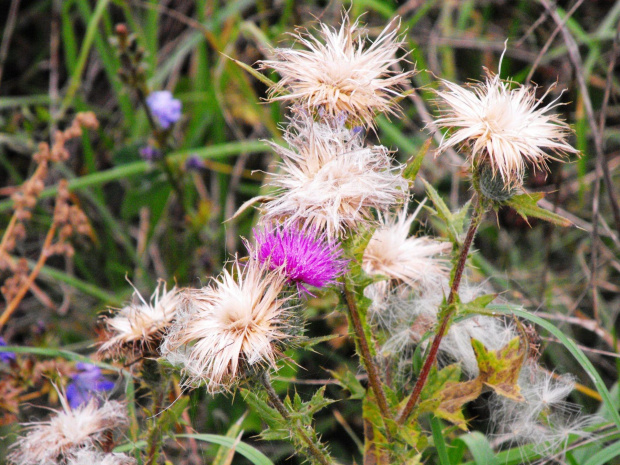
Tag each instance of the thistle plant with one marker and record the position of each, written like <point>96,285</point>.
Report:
<point>337,227</point>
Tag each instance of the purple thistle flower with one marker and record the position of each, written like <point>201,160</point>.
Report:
<point>5,357</point>
<point>306,256</point>
<point>86,384</point>
<point>165,108</point>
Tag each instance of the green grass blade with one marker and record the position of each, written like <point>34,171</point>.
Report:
<point>87,43</point>
<point>249,452</point>
<point>12,102</point>
<point>141,167</point>
<point>54,352</point>
<point>605,456</point>
<point>479,447</point>
<point>440,443</point>
<point>82,286</point>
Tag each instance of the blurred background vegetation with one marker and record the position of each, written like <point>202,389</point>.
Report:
<point>56,59</point>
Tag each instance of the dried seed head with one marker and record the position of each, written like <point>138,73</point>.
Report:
<point>339,73</point>
<point>411,260</point>
<point>331,181</point>
<point>504,126</point>
<point>136,330</point>
<point>546,419</point>
<point>235,324</point>
<point>66,432</point>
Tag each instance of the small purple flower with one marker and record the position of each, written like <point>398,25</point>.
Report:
<point>357,131</point>
<point>194,163</point>
<point>165,108</point>
<point>150,153</point>
<point>5,357</point>
<point>306,256</point>
<point>86,384</point>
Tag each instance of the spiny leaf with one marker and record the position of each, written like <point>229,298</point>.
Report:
<point>455,222</point>
<point>453,397</point>
<point>499,369</point>
<point>442,209</point>
<point>526,206</point>
<point>348,381</point>
<point>415,162</point>
<point>267,413</point>
<point>474,306</point>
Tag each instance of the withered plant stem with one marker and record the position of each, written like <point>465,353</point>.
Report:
<point>373,373</point>
<point>12,306</point>
<point>316,452</point>
<point>449,309</point>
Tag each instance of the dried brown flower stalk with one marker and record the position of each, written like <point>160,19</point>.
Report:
<point>67,221</point>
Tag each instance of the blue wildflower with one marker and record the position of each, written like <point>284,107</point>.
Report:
<point>5,357</point>
<point>194,163</point>
<point>165,108</point>
<point>86,384</point>
<point>150,153</point>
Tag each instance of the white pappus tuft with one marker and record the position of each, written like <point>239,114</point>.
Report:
<point>67,432</point>
<point>236,323</point>
<point>545,420</point>
<point>408,314</point>
<point>339,73</point>
<point>330,180</point>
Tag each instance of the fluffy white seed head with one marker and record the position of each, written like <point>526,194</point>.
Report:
<point>330,180</point>
<point>138,328</point>
<point>94,457</point>
<point>408,314</point>
<point>411,260</point>
<point>505,127</point>
<point>237,322</point>
<point>545,419</point>
<point>67,432</point>
<point>340,73</point>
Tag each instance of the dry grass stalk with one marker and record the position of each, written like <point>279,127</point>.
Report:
<point>67,220</point>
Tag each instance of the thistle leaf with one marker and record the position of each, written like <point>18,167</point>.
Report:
<point>526,206</point>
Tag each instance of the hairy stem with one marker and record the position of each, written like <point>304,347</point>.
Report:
<point>479,211</point>
<point>373,373</point>
<point>315,450</point>
<point>155,438</point>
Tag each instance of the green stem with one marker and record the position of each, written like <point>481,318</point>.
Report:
<point>154,378</point>
<point>315,450</point>
<point>450,309</point>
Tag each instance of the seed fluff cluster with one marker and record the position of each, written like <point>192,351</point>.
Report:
<point>338,72</point>
<point>506,127</point>
<point>393,253</point>
<point>409,313</point>
<point>545,419</point>
<point>94,457</point>
<point>68,432</point>
<point>236,324</point>
<point>137,329</point>
<point>330,180</point>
